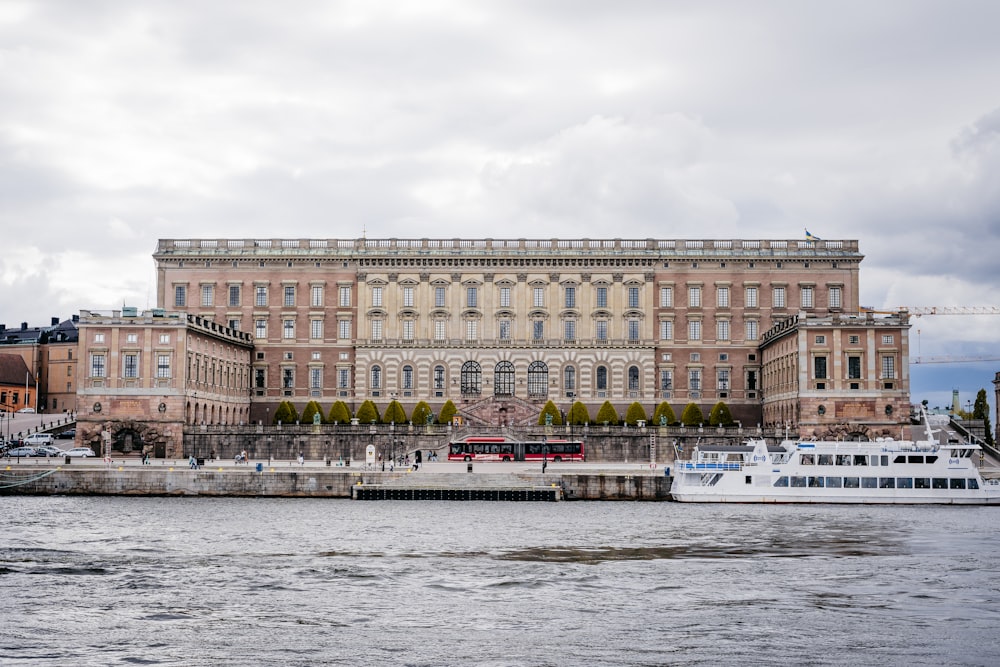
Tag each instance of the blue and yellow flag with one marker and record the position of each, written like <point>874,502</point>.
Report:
<point>810,237</point>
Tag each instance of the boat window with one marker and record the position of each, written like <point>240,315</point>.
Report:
<point>921,483</point>
<point>900,459</point>
<point>931,459</point>
<point>781,481</point>
<point>799,481</point>
<point>748,479</point>
<point>816,482</point>
<point>869,482</point>
<point>913,459</point>
<point>958,483</point>
<point>860,460</point>
<point>887,482</point>
<point>939,483</point>
<point>833,482</point>
<point>826,459</point>
<point>806,459</point>
<point>885,459</point>
<point>843,459</point>
<point>904,482</point>
<point>851,483</point>
<point>973,483</point>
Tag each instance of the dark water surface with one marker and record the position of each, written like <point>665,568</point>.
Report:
<point>206,581</point>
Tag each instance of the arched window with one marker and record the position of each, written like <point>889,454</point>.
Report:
<point>503,379</point>
<point>376,378</point>
<point>569,381</point>
<point>633,378</point>
<point>602,381</point>
<point>538,379</point>
<point>407,377</point>
<point>472,378</point>
<point>439,380</point>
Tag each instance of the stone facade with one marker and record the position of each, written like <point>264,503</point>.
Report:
<point>145,376</point>
<point>502,326</point>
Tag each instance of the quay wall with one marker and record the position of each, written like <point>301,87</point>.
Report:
<point>307,482</point>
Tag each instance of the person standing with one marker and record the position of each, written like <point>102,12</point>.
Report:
<point>302,460</point>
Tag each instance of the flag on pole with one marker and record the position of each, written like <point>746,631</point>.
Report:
<point>810,237</point>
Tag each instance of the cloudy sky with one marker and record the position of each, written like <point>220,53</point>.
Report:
<point>122,123</point>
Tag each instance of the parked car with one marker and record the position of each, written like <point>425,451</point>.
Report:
<point>48,450</point>
<point>68,434</point>
<point>20,451</point>
<point>79,451</point>
<point>26,411</point>
<point>36,439</point>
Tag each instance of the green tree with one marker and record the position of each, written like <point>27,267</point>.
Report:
<point>550,409</point>
<point>339,413</point>
<point>394,414</point>
<point>312,408</point>
<point>607,414</point>
<point>664,410</point>
<point>981,410</point>
<point>367,413</point>
<point>692,415</point>
<point>420,413</point>
<point>634,413</point>
<point>286,413</point>
<point>448,410</point>
<point>578,414</point>
<point>720,415</point>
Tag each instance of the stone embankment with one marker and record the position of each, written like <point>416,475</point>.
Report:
<point>284,479</point>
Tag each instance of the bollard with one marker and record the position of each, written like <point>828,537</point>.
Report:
<point>468,467</point>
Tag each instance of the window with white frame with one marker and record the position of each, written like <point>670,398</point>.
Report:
<point>806,295</point>
<point>601,379</point>
<point>538,297</point>
<point>180,295</point>
<point>471,329</point>
<point>722,297</point>
<point>376,377</point>
<point>376,296</point>
<point>722,379</point>
<point>345,296</point>
<point>602,297</point>
<point>260,328</point>
<point>694,330</point>
<point>316,296</point>
<point>288,329</point>
<point>778,297</point>
<point>569,379</point>
<point>407,377</point>
<point>694,297</point>
<point>601,329</point>
<point>289,295</point>
<point>234,295</point>
<point>633,329</point>
<point>471,297</point>
<point>887,339</point>
<point>97,367</point>
<point>666,297</point>
<point>504,329</point>
<point>569,329</point>
<point>537,330</point>
<point>407,329</point>
<point>694,379</point>
<point>666,330</point>
<point>164,339</point>
<point>163,365</point>
<point>132,338</point>
<point>722,329</point>
<point>633,378</point>
<point>316,328</point>
<point>344,329</point>
<point>207,295</point>
<point>260,295</point>
<point>505,297</point>
<point>130,365</point>
<point>666,380</point>
<point>343,378</point>
<point>834,297</point>
<point>234,323</point>
<point>439,297</point>
<point>407,296</point>
<point>98,338</point>
<point>315,378</point>
<point>888,367</point>
<point>750,297</point>
<point>439,378</point>
<point>854,368</point>
<point>752,329</point>
<point>570,297</point>
<point>376,329</point>
<point>440,329</point>
<point>633,297</point>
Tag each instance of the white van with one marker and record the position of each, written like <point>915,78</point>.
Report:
<point>36,439</point>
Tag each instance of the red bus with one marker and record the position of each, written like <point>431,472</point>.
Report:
<point>498,448</point>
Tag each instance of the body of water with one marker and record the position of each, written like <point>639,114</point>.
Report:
<point>210,581</point>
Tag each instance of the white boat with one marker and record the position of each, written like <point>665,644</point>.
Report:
<point>886,471</point>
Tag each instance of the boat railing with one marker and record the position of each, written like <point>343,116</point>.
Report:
<point>708,465</point>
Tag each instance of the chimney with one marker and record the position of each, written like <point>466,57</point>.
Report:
<point>55,321</point>
<point>76,318</point>
<point>3,328</point>
<point>24,326</point>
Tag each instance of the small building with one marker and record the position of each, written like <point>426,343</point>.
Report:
<point>838,376</point>
<point>146,376</point>
<point>17,384</point>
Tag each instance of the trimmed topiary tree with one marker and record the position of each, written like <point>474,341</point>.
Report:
<point>448,410</point>
<point>607,414</point>
<point>394,414</point>
<point>578,414</point>
<point>286,413</point>
<point>720,415</point>
<point>634,413</point>
<point>367,413</point>
<point>692,415</point>
<point>664,410</point>
<point>339,414</point>
<point>312,408</point>
<point>420,413</point>
<point>550,409</point>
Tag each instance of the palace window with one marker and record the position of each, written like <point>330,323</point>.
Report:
<point>722,297</point>
<point>316,296</point>
<point>666,297</point>
<point>602,297</point>
<point>260,295</point>
<point>234,295</point>
<point>538,379</point>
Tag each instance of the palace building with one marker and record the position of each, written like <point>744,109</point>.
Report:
<point>500,327</point>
